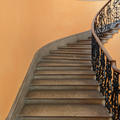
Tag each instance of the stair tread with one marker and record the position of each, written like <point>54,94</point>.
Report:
<point>64,110</point>
<point>70,55</point>
<point>88,101</point>
<point>80,43</point>
<point>65,61</point>
<point>65,87</point>
<point>63,82</point>
<point>60,76</point>
<point>62,68</point>
<point>84,40</point>
<point>63,64</point>
<point>62,94</point>
<point>75,47</point>
<point>73,50</point>
<point>66,58</point>
<point>64,117</point>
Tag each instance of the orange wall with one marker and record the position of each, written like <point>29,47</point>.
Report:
<point>25,26</point>
<point>113,47</point>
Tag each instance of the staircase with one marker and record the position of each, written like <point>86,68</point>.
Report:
<point>74,78</point>
<point>64,87</point>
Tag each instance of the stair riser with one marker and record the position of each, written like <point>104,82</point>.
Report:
<point>82,87</point>
<point>78,45</point>
<point>65,62</point>
<point>63,68</point>
<point>81,73</point>
<point>70,53</point>
<point>89,73</point>
<point>75,48</point>
<point>67,58</point>
<point>86,58</point>
<point>84,41</point>
<point>60,101</point>
<point>63,82</point>
<point>62,76</point>
<point>64,118</point>
<point>63,65</point>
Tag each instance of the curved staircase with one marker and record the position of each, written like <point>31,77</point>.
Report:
<point>74,78</point>
<point>64,87</point>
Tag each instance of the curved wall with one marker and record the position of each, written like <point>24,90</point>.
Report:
<point>25,26</point>
<point>113,47</point>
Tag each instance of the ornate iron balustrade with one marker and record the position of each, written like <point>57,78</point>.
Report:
<point>107,18</point>
<point>107,73</point>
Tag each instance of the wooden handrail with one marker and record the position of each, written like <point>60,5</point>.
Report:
<point>113,62</point>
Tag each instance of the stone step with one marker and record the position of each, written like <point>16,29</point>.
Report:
<point>80,43</point>
<point>67,76</point>
<point>65,87</point>
<point>76,47</point>
<point>69,52</point>
<point>71,55</point>
<point>64,118</point>
<point>84,41</point>
<point>74,50</point>
<point>65,64</point>
<point>65,82</point>
<point>41,72</point>
<point>63,56</point>
<point>66,58</point>
<point>65,110</point>
<point>64,96</point>
<point>64,61</point>
<point>64,101</point>
<point>64,68</point>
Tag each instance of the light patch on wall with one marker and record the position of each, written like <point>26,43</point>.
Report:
<point>113,47</point>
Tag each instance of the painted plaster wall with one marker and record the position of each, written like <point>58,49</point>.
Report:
<point>25,26</point>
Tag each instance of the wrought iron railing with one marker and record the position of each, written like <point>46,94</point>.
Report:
<point>107,17</point>
<point>107,73</point>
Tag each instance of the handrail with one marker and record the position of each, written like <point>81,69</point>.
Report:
<point>107,73</point>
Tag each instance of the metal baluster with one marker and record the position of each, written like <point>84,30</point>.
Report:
<point>102,76</point>
<point>97,63</point>
<point>115,93</point>
<point>108,85</point>
<point>93,53</point>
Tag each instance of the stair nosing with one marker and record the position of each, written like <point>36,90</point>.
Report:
<point>87,98</point>
<point>63,87</point>
<point>105,116</point>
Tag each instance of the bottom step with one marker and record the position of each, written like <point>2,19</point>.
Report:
<point>71,110</point>
<point>63,118</point>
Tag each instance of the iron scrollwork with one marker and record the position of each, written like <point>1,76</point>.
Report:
<point>107,77</point>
